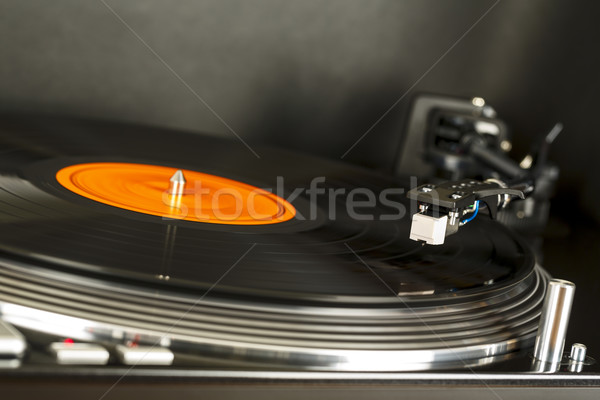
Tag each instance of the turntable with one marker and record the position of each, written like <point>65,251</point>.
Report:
<point>133,254</point>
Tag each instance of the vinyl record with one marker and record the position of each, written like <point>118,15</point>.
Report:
<point>99,244</point>
<point>320,253</point>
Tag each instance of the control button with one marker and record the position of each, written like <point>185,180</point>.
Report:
<point>578,351</point>
<point>577,357</point>
<point>12,342</point>
<point>144,355</point>
<point>11,363</point>
<point>79,353</point>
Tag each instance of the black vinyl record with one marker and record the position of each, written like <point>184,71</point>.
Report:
<point>324,254</point>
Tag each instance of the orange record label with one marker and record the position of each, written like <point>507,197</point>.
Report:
<point>199,197</point>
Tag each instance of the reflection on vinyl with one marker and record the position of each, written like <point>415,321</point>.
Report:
<point>319,282</point>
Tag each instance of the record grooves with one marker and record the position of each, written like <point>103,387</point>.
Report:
<point>321,289</point>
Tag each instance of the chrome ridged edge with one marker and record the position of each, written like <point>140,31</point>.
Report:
<point>515,320</point>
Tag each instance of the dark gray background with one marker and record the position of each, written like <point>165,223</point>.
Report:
<point>312,75</point>
<point>316,75</point>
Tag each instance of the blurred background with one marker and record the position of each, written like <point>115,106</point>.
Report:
<point>315,75</point>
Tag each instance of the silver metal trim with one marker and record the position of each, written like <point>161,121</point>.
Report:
<point>554,321</point>
<point>477,331</point>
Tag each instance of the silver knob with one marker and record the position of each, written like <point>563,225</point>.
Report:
<point>550,340</point>
<point>578,351</point>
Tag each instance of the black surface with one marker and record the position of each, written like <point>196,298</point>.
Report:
<point>297,259</point>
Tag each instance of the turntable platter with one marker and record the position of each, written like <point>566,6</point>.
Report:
<point>299,258</point>
<point>327,287</point>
